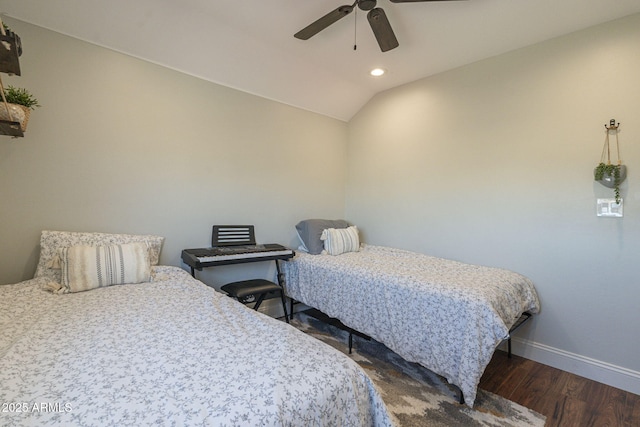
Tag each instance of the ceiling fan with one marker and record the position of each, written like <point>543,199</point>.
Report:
<point>376,17</point>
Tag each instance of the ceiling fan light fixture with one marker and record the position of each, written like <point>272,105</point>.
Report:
<point>366,4</point>
<point>377,72</point>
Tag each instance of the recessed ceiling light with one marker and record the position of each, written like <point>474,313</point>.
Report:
<point>377,72</point>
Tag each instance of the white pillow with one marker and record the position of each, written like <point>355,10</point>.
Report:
<point>310,230</point>
<point>340,240</point>
<point>90,267</point>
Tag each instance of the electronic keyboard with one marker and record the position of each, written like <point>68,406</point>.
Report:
<point>204,257</point>
<point>239,252</point>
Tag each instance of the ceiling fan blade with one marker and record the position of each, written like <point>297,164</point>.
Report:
<point>414,1</point>
<point>322,23</point>
<point>382,29</point>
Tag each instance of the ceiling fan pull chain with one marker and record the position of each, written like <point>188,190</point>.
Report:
<point>355,29</point>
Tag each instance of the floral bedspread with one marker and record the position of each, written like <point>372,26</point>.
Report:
<point>168,352</point>
<point>445,315</point>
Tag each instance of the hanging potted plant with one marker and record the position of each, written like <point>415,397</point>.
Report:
<point>17,105</point>
<point>608,174</point>
<point>611,176</point>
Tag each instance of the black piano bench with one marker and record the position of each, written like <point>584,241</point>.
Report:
<point>259,288</point>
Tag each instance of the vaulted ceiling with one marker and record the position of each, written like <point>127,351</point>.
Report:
<point>249,45</point>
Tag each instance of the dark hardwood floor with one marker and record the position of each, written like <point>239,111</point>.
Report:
<point>565,399</point>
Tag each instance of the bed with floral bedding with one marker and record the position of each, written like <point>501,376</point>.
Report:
<point>445,315</point>
<point>163,350</point>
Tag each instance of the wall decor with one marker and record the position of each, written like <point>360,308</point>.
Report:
<point>14,113</point>
<point>606,173</point>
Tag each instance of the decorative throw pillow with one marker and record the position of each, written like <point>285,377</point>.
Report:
<point>90,267</point>
<point>52,241</point>
<point>339,241</point>
<point>310,230</point>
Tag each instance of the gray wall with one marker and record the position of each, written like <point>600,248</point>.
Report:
<point>122,145</point>
<point>492,163</point>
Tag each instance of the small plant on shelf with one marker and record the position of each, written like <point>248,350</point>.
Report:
<point>19,103</point>
<point>20,96</point>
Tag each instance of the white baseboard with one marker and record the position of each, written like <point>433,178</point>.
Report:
<point>603,372</point>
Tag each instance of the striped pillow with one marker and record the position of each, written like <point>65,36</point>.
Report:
<point>51,241</point>
<point>90,267</point>
<point>340,240</point>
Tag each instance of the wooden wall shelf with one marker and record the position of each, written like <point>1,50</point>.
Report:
<point>10,51</point>
<point>10,128</point>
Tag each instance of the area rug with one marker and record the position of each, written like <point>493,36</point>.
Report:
<point>414,395</point>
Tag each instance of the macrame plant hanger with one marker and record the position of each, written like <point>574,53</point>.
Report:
<point>606,173</point>
<point>606,150</point>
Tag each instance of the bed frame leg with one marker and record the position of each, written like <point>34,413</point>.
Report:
<point>524,317</point>
<point>350,342</point>
<point>461,396</point>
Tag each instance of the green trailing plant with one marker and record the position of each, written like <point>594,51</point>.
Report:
<point>20,96</point>
<point>603,170</point>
